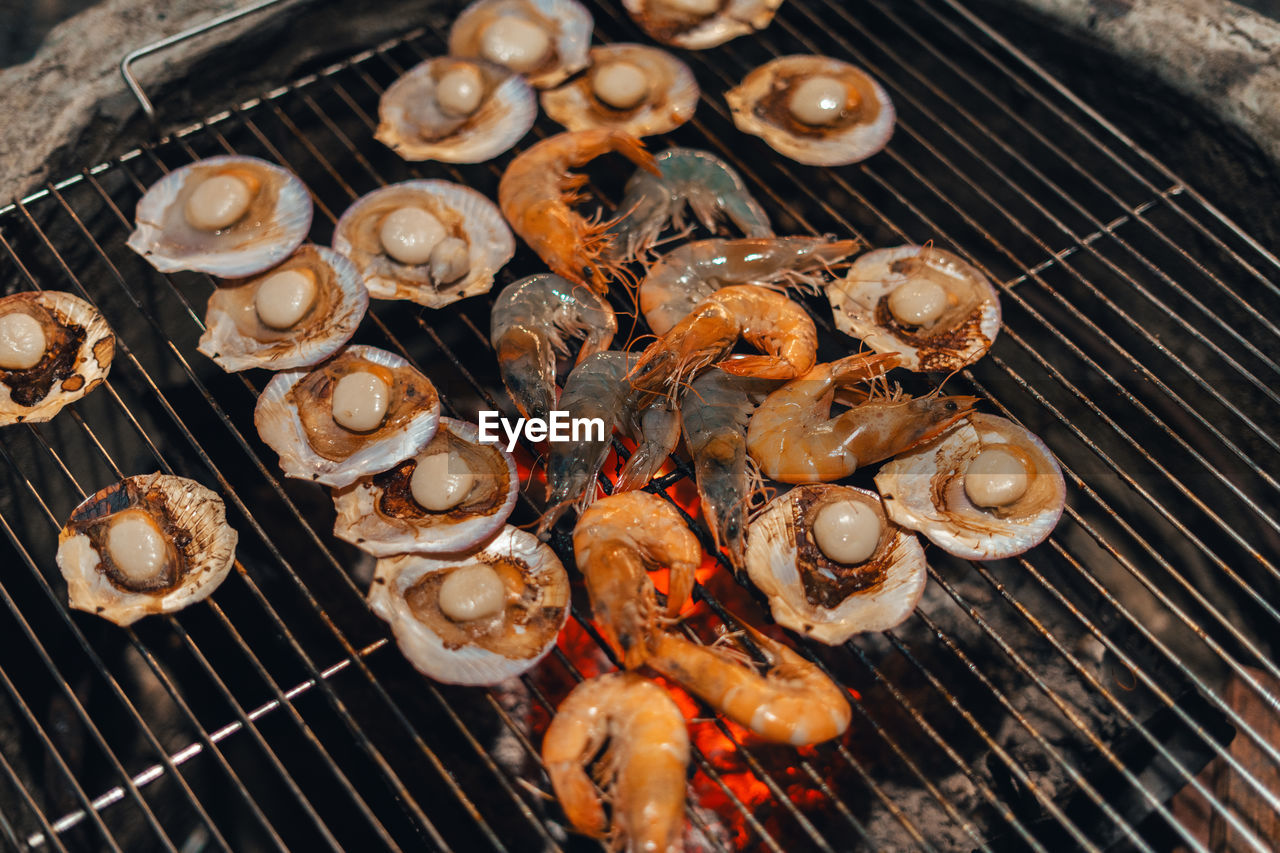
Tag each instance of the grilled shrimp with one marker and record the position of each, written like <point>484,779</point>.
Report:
<point>530,323</point>
<point>690,178</point>
<point>791,702</point>
<point>656,434</point>
<point>537,192</point>
<point>615,543</point>
<point>642,771</point>
<point>682,278</point>
<point>794,440</point>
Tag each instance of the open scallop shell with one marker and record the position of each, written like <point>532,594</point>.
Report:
<point>567,22</point>
<point>760,107</point>
<point>489,650</point>
<point>924,490</point>
<point>818,598</point>
<point>379,515</point>
<point>961,336</point>
<point>77,360</point>
<point>411,122</point>
<point>667,22</point>
<point>191,517</point>
<point>294,413</point>
<point>277,221</point>
<point>672,98</point>
<point>465,213</point>
<point>237,339</point>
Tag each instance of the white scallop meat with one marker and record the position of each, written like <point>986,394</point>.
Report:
<point>670,96</point>
<point>566,23</point>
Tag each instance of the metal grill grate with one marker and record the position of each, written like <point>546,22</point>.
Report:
<point>1067,693</point>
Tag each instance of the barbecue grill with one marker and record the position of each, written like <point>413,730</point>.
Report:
<point>1115,688</point>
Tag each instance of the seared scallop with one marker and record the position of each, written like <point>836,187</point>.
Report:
<point>633,88</point>
<point>700,24</point>
<point>544,40</point>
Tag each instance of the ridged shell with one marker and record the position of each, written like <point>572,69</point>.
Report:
<point>488,237</point>
<point>572,25</point>
<point>246,248</point>
<point>505,116</point>
<point>859,303</point>
<point>915,483</point>
<point>666,25</point>
<point>208,546</point>
<point>279,425</point>
<point>316,337</point>
<point>672,99</point>
<point>546,609</point>
<point>363,521</point>
<point>774,564</point>
<point>68,379</point>
<point>759,108</point>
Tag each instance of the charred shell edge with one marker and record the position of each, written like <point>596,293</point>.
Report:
<point>739,18</point>
<point>573,39</point>
<point>570,107</point>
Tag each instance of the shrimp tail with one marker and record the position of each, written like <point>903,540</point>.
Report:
<point>863,367</point>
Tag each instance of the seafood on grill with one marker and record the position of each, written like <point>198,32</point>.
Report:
<point>430,242</point>
<point>544,40</point>
<point>455,110</point>
<point>987,490</point>
<point>925,304</point>
<point>479,617</point>
<point>794,438</point>
<point>620,739</point>
<point>700,24</point>
<point>537,192</point>
<point>153,543</point>
<point>689,179</point>
<point>616,543</point>
<point>230,216</point>
<point>54,349</point>
<point>454,494</point>
<point>832,564</point>
<point>633,88</point>
<point>814,109</point>
<point>294,315</point>
<point>531,322</point>
<point>357,414</point>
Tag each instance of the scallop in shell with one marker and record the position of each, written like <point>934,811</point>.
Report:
<point>455,110</point>
<point>230,216</point>
<point>928,305</point>
<point>814,109</point>
<point>452,495</point>
<point>54,349</point>
<point>357,414</point>
<point>430,242</point>
<point>297,314</point>
<point>153,543</point>
<point>476,618</point>
<point>634,88</point>
<point>700,24</point>
<point>987,490</point>
<point>545,40</point>
<point>832,564</point>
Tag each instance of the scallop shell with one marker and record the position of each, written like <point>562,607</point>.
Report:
<point>505,116</point>
<point>368,518</point>
<point>280,425</point>
<point>860,305</point>
<point>759,108</point>
<point>461,660</point>
<point>780,543</point>
<point>924,490</point>
<point>572,25</point>
<point>237,340</point>
<point>59,378</point>
<point>667,25</point>
<point>207,546</point>
<point>672,100</point>
<point>259,241</point>
<point>475,219</point>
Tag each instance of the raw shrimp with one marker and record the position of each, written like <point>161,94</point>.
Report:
<point>616,542</point>
<point>642,770</point>
<point>690,178</point>
<point>656,434</point>
<point>537,192</point>
<point>529,325</point>
<point>791,702</point>
<point>794,440</point>
<point>682,278</point>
